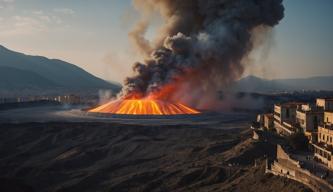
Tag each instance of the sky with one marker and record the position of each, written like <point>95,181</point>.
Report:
<point>93,34</point>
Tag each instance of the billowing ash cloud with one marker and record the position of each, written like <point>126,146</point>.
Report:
<point>200,46</point>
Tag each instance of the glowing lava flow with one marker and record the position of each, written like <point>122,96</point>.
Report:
<point>144,107</point>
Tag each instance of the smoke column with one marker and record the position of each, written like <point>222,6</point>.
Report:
<point>200,47</point>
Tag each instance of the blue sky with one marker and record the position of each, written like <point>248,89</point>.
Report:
<point>93,34</point>
<point>303,41</point>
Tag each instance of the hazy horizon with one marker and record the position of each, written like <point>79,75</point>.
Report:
<point>94,35</point>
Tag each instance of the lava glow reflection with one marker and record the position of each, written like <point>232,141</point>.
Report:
<point>144,107</point>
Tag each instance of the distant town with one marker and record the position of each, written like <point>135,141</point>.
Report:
<point>70,99</point>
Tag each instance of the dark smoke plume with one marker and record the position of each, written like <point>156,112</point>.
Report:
<point>199,48</point>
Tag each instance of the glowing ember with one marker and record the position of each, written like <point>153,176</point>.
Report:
<point>144,107</point>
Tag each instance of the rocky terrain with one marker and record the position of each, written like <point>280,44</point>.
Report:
<point>67,157</point>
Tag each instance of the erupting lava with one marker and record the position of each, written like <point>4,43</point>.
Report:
<point>144,107</point>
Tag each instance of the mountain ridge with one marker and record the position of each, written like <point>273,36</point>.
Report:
<point>257,84</point>
<point>58,74</point>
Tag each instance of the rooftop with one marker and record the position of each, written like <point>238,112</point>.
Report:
<point>326,98</point>
<point>311,110</point>
<point>290,104</point>
<point>269,115</point>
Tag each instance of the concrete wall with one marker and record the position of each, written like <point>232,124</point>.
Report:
<point>320,103</point>
<point>288,114</point>
<point>281,154</point>
<point>285,113</point>
<point>282,130</point>
<point>277,112</point>
<point>325,135</point>
<point>307,120</point>
<point>301,119</point>
<point>328,117</point>
<point>268,121</point>
<point>286,167</point>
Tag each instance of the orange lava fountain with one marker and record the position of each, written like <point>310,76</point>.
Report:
<point>144,107</point>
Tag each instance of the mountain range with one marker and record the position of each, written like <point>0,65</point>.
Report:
<point>25,73</point>
<point>256,84</point>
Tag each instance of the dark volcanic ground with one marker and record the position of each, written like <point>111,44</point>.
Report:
<point>93,157</point>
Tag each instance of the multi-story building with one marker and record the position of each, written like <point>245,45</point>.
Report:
<point>285,112</point>
<point>323,148</point>
<point>325,103</point>
<point>307,120</point>
<point>309,117</point>
<point>285,118</point>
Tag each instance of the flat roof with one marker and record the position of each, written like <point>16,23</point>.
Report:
<point>269,115</point>
<point>327,99</point>
<point>290,104</point>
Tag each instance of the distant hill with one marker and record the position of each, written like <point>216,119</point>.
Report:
<point>256,84</point>
<point>12,78</point>
<point>20,72</point>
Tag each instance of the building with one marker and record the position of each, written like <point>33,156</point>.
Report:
<point>260,119</point>
<point>68,99</point>
<point>309,117</point>
<point>285,112</point>
<point>328,117</point>
<point>269,121</point>
<point>285,118</point>
<point>325,103</point>
<point>323,148</point>
<point>293,117</point>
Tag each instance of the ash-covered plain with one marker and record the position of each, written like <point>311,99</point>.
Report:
<point>70,154</point>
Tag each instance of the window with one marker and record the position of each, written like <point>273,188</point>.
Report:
<point>287,113</point>
<point>315,122</point>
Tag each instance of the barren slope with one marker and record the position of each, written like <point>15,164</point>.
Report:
<point>111,157</point>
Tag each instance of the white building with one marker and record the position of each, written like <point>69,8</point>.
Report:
<point>309,117</point>
<point>285,118</point>
<point>325,103</point>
